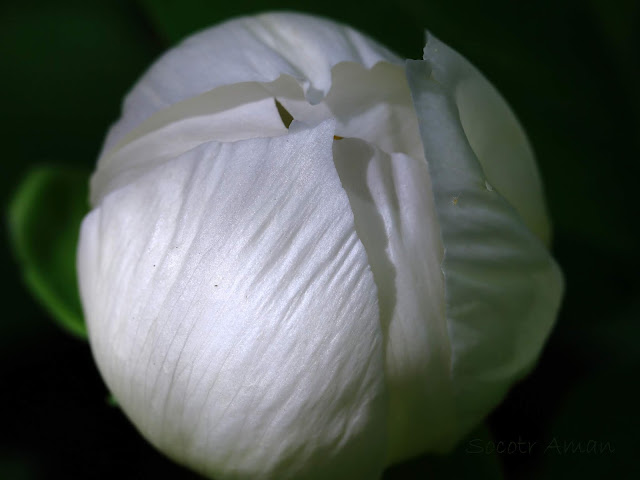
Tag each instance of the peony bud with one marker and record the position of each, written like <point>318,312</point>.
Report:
<point>309,258</point>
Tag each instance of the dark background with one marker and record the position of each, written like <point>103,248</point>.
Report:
<point>570,70</point>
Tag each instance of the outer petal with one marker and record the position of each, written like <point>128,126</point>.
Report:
<point>392,200</point>
<point>229,113</point>
<point>233,314</point>
<point>251,49</point>
<point>494,133</point>
<point>502,288</point>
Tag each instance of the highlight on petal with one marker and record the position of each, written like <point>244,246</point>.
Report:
<point>392,201</point>
<point>502,287</point>
<point>248,49</point>
<point>232,311</point>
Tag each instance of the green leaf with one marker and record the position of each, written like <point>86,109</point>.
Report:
<point>44,222</point>
<point>473,458</point>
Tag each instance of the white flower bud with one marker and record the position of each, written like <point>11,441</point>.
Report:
<point>319,299</point>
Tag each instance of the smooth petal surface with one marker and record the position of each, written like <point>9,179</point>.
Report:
<point>249,49</point>
<point>502,287</point>
<point>232,311</point>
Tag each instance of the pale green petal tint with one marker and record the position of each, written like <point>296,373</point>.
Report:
<point>494,134</point>
<point>502,287</point>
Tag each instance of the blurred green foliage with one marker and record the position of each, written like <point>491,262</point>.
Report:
<point>570,69</point>
<point>44,221</point>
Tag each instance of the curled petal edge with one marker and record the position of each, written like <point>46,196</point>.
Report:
<point>502,287</point>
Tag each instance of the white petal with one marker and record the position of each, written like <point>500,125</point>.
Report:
<point>392,200</point>
<point>225,114</point>
<point>232,312</point>
<point>370,104</point>
<point>375,105</point>
<point>494,133</point>
<point>502,288</point>
<point>251,49</point>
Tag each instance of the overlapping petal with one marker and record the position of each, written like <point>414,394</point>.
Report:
<point>248,49</point>
<point>392,200</point>
<point>232,311</point>
<point>268,300</point>
<point>502,287</point>
<point>492,130</point>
